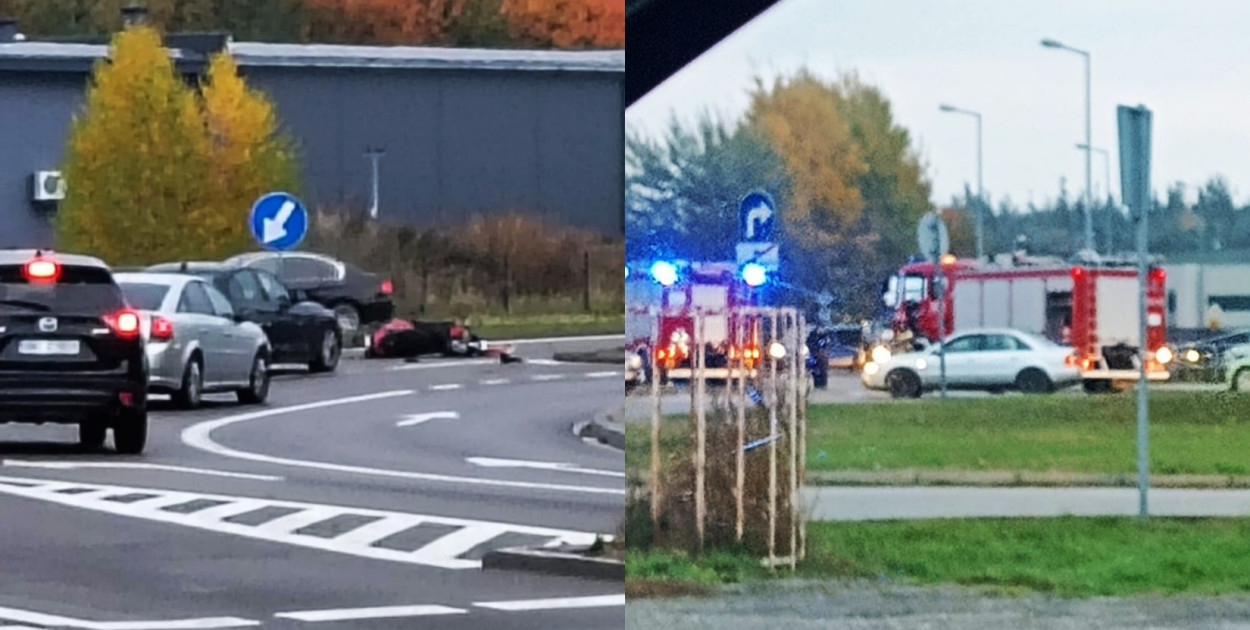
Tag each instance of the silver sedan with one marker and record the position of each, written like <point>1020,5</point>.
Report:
<point>195,343</point>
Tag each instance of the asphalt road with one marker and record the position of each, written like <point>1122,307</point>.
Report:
<point>362,499</point>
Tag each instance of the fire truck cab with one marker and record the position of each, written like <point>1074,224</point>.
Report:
<point>1090,308</point>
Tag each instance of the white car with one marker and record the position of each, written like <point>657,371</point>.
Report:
<point>984,359</point>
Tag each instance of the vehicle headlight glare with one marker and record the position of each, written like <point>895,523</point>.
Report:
<point>1164,355</point>
<point>881,354</point>
<point>776,350</point>
<point>871,368</point>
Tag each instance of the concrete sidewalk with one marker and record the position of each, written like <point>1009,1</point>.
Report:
<point>1009,478</point>
<point>884,503</point>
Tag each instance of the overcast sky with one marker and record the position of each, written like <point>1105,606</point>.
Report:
<point>1189,62</point>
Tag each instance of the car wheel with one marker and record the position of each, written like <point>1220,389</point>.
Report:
<point>328,354</point>
<point>130,433</point>
<point>1241,380</point>
<point>903,384</point>
<point>191,393</point>
<point>257,391</point>
<point>92,433</point>
<point>1034,381</point>
<point>348,317</point>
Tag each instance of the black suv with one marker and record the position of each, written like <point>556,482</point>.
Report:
<point>71,351</point>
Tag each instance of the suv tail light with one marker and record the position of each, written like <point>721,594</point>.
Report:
<point>162,329</point>
<point>1071,361</point>
<point>387,287</point>
<point>125,323</point>
<point>42,270</point>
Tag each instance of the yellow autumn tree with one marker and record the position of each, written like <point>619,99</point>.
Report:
<point>249,156</point>
<point>800,119</point>
<point>156,172</point>
<point>136,158</point>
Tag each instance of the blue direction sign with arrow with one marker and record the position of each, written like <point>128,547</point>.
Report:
<point>279,221</point>
<point>757,211</point>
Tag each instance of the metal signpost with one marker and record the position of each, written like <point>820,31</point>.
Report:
<point>934,241</point>
<point>1134,128</point>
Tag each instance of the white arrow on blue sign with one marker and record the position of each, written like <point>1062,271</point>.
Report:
<point>279,221</point>
<point>757,212</point>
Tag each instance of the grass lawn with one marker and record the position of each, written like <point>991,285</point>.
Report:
<point>1191,433</point>
<point>1067,556</point>
<point>540,326</point>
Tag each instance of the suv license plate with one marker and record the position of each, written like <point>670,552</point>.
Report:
<point>46,347</point>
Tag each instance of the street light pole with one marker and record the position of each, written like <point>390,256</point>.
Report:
<point>980,190</point>
<point>1089,216</point>
<point>374,154</point>
<point>1106,163</point>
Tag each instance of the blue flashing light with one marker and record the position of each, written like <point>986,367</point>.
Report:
<point>754,274</point>
<point>664,272</point>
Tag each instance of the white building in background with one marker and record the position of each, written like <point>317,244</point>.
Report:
<point>1209,291</point>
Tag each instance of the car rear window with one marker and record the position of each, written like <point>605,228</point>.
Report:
<point>144,296</point>
<point>78,290</point>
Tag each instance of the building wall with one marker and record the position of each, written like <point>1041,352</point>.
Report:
<point>1193,288</point>
<point>35,115</point>
<point>457,142</point>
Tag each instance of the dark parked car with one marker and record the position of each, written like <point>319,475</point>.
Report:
<point>357,297</point>
<point>299,330</point>
<point>71,349</point>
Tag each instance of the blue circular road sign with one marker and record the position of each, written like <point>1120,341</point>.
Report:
<point>279,221</point>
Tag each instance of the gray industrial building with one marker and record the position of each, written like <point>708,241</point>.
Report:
<point>464,131</point>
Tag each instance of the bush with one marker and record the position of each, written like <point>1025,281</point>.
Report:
<point>508,263</point>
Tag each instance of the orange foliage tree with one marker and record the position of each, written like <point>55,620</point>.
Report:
<point>393,22</point>
<point>567,23</point>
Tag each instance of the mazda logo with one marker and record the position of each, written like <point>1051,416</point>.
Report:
<point>47,324</point>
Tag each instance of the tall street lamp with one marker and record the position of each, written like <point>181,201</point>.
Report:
<point>980,191</point>
<point>1089,218</point>
<point>1106,163</point>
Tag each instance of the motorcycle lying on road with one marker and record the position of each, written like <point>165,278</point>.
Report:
<point>409,339</point>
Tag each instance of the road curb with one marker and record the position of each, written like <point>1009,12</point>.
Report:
<point>563,563</point>
<point>608,357</point>
<point>605,427</point>
<point>1005,478</point>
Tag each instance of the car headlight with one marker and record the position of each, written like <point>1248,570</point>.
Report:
<point>1164,355</point>
<point>1193,356</point>
<point>881,354</point>
<point>776,350</point>
<point>633,361</point>
<point>871,368</point>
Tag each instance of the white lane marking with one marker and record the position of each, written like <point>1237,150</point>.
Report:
<point>199,436</point>
<point>446,387</point>
<point>548,377</point>
<point>443,364</point>
<point>203,623</point>
<point>438,553</point>
<point>597,601</point>
<point>418,418</point>
<point>496,381</point>
<point>382,612</point>
<point>28,463</point>
<point>490,462</point>
<point>562,339</point>
<point>458,543</point>
<point>545,362</point>
<point>602,374</point>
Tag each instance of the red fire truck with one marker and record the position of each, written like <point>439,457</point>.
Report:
<point>663,311</point>
<point>1093,309</point>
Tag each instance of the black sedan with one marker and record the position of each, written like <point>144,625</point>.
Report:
<point>357,297</point>
<point>300,331</point>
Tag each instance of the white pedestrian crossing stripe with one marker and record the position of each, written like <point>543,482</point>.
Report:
<point>435,541</point>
